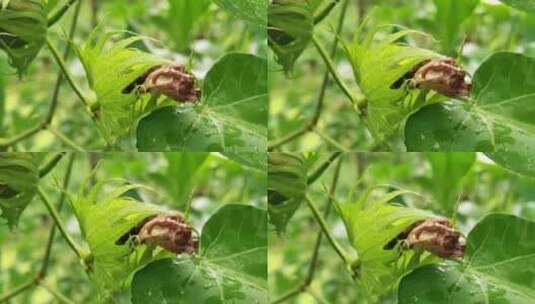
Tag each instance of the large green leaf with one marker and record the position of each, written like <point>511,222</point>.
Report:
<point>231,266</point>
<point>290,27</point>
<point>499,267</point>
<point>449,17</point>
<point>19,176</point>
<point>103,218</point>
<point>498,120</point>
<point>526,5</point>
<point>448,171</point>
<point>181,20</point>
<point>231,117</point>
<point>23,28</point>
<point>109,70</point>
<point>287,184</point>
<point>371,223</point>
<point>379,64</point>
<point>253,11</point>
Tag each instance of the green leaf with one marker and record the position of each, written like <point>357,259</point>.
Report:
<point>526,5</point>
<point>231,266</point>
<point>181,20</point>
<point>371,223</point>
<point>498,121</point>
<point>449,17</point>
<point>290,28</point>
<point>109,71</point>
<point>19,176</point>
<point>287,185</point>
<point>231,117</point>
<point>253,11</point>
<point>23,28</point>
<point>378,65</point>
<point>498,267</point>
<point>449,170</point>
<point>103,219</point>
<point>180,178</point>
<point>255,160</point>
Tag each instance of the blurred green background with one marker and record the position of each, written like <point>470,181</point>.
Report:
<point>209,180</point>
<point>465,184</point>
<point>489,27</point>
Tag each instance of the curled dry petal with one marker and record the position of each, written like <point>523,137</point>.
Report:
<point>438,237</point>
<point>443,76</point>
<point>171,80</point>
<point>170,232</point>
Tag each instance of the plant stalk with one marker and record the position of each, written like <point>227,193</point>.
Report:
<point>59,13</point>
<point>54,213</point>
<point>337,248</point>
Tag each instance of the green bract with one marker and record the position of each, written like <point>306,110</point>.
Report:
<point>109,70</point>
<point>379,64</point>
<point>287,184</point>
<point>373,223</point>
<point>23,28</point>
<point>103,219</point>
<point>290,27</point>
<point>19,176</point>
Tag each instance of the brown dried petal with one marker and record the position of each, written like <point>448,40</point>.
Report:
<point>443,76</point>
<point>438,237</point>
<point>171,80</point>
<point>170,232</point>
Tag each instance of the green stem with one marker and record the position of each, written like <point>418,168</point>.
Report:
<point>30,284</point>
<point>321,97</point>
<point>52,235</point>
<point>54,213</point>
<point>331,141</point>
<point>59,13</point>
<point>322,167</point>
<point>315,253</point>
<point>68,76</point>
<point>66,140</point>
<point>325,12</point>
<point>337,248</point>
<point>55,293</point>
<point>4,143</point>
<point>50,164</point>
<point>334,73</point>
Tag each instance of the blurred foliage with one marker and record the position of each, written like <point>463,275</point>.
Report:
<point>196,37</point>
<point>207,180</point>
<point>478,187</point>
<point>488,27</point>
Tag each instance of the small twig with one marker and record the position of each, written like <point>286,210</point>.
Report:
<point>50,164</point>
<point>30,284</point>
<point>55,293</point>
<point>68,76</point>
<point>59,13</point>
<point>331,141</point>
<point>321,221</point>
<point>66,140</point>
<point>330,66</point>
<point>54,213</point>
<point>325,12</point>
<point>52,234</point>
<point>322,167</point>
